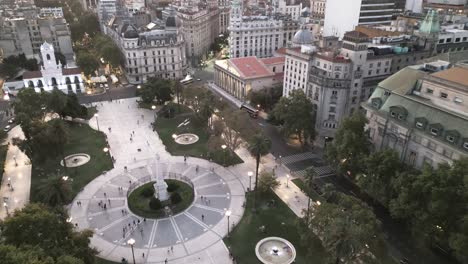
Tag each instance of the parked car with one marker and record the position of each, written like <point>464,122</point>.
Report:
<point>11,121</point>
<point>7,128</point>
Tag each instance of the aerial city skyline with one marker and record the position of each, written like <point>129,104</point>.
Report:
<point>241,131</point>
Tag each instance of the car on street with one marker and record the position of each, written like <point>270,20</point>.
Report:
<point>7,128</point>
<point>198,79</point>
<point>11,121</point>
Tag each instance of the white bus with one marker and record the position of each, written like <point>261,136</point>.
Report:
<point>188,79</point>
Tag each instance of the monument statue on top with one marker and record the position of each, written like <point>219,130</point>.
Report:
<point>160,189</point>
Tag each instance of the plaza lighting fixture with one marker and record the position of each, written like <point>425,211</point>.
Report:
<point>174,136</point>
<point>287,180</point>
<point>250,174</point>
<point>97,121</point>
<point>228,214</point>
<point>106,150</point>
<point>131,242</point>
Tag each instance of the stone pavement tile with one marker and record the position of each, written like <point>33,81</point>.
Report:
<point>200,243</point>
<point>188,228</point>
<point>221,203</point>
<point>166,234</point>
<point>217,189</point>
<point>237,205</point>
<point>210,218</point>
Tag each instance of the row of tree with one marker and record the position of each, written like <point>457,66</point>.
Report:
<point>432,201</point>
<point>42,235</point>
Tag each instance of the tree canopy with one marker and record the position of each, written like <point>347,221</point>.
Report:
<point>297,116</point>
<point>156,89</point>
<point>43,235</point>
<point>88,62</point>
<point>350,146</point>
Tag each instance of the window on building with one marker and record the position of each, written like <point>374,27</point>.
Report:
<point>444,95</point>
<point>429,91</point>
<point>450,139</point>
<point>332,109</point>
<point>465,145</point>
<point>434,131</point>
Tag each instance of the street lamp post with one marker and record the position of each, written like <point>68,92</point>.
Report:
<point>228,214</point>
<point>287,180</point>
<point>224,150</point>
<point>6,208</point>
<point>131,242</point>
<point>97,121</point>
<point>250,180</point>
<point>154,108</point>
<point>16,163</point>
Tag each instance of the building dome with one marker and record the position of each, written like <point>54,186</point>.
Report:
<point>131,32</point>
<point>303,37</point>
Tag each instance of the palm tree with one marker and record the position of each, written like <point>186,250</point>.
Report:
<point>310,177</point>
<point>59,135</point>
<point>259,146</point>
<point>54,190</point>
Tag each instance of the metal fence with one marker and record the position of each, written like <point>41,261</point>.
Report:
<point>147,179</point>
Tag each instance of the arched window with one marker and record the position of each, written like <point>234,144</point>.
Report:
<point>48,56</point>
<point>77,80</point>
<point>54,81</point>
<point>67,80</point>
<point>40,84</point>
<point>274,68</point>
<point>30,84</point>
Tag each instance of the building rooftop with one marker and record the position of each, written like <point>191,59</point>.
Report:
<point>273,60</point>
<point>456,74</point>
<point>250,67</point>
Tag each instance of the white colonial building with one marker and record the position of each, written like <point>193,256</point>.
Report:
<point>52,75</point>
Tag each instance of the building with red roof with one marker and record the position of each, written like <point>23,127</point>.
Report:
<point>239,76</point>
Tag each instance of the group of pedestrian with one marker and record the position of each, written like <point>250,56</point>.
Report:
<point>78,203</point>
<point>205,200</point>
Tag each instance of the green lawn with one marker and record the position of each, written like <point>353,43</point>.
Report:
<point>3,153</point>
<point>83,139</point>
<point>139,204</point>
<point>278,221</point>
<point>166,127</point>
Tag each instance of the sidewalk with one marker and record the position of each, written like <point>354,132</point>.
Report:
<point>17,174</point>
<point>287,191</point>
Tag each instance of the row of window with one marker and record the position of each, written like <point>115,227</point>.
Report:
<point>444,95</point>
<point>129,55</point>
<point>449,40</point>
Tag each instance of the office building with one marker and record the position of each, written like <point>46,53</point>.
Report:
<point>421,112</point>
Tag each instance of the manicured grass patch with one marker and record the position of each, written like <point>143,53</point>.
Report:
<point>139,204</point>
<point>83,139</point>
<point>3,153</point>
<point>311,193</point>
<point>166,127</point>
<point>279,221</point>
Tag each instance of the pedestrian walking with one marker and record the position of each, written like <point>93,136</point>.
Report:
<point>105,195</point>
<point>165,261</point>
<point>105,207</point>
<point>143,254</point>
<point>203,217</point>
<point>110,129</point>
<point>109,201</point>
<point>172,249</point>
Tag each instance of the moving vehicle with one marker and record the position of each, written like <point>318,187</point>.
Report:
<point>251,110</point>
<point>7,128</point>
<point>188,79</point>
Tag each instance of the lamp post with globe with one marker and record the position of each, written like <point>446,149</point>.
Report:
<point>131,242</point>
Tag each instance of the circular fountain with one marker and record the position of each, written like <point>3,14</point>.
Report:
<point>76,160</point>
<point>275,250</point>
<point>186,139</point>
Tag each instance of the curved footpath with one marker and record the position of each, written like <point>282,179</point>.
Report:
<point>192,236</point>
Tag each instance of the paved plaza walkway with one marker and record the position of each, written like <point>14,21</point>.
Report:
<point>193,236</point>
<point>16,181</point>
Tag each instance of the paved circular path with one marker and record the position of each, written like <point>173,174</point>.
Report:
<point>181,238</point>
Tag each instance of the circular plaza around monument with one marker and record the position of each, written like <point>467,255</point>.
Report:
<point>186,139</point>
<point>76,160</point>
<point>189,232</point>
<point>275,250</point>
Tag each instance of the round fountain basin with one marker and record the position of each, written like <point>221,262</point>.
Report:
<point>186,139</point>
<point>275,250</point>
<point>76,160</point>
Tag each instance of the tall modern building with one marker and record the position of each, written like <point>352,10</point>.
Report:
<point>358,12</point>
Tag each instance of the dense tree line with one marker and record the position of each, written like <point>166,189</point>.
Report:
<point>432,202</point>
